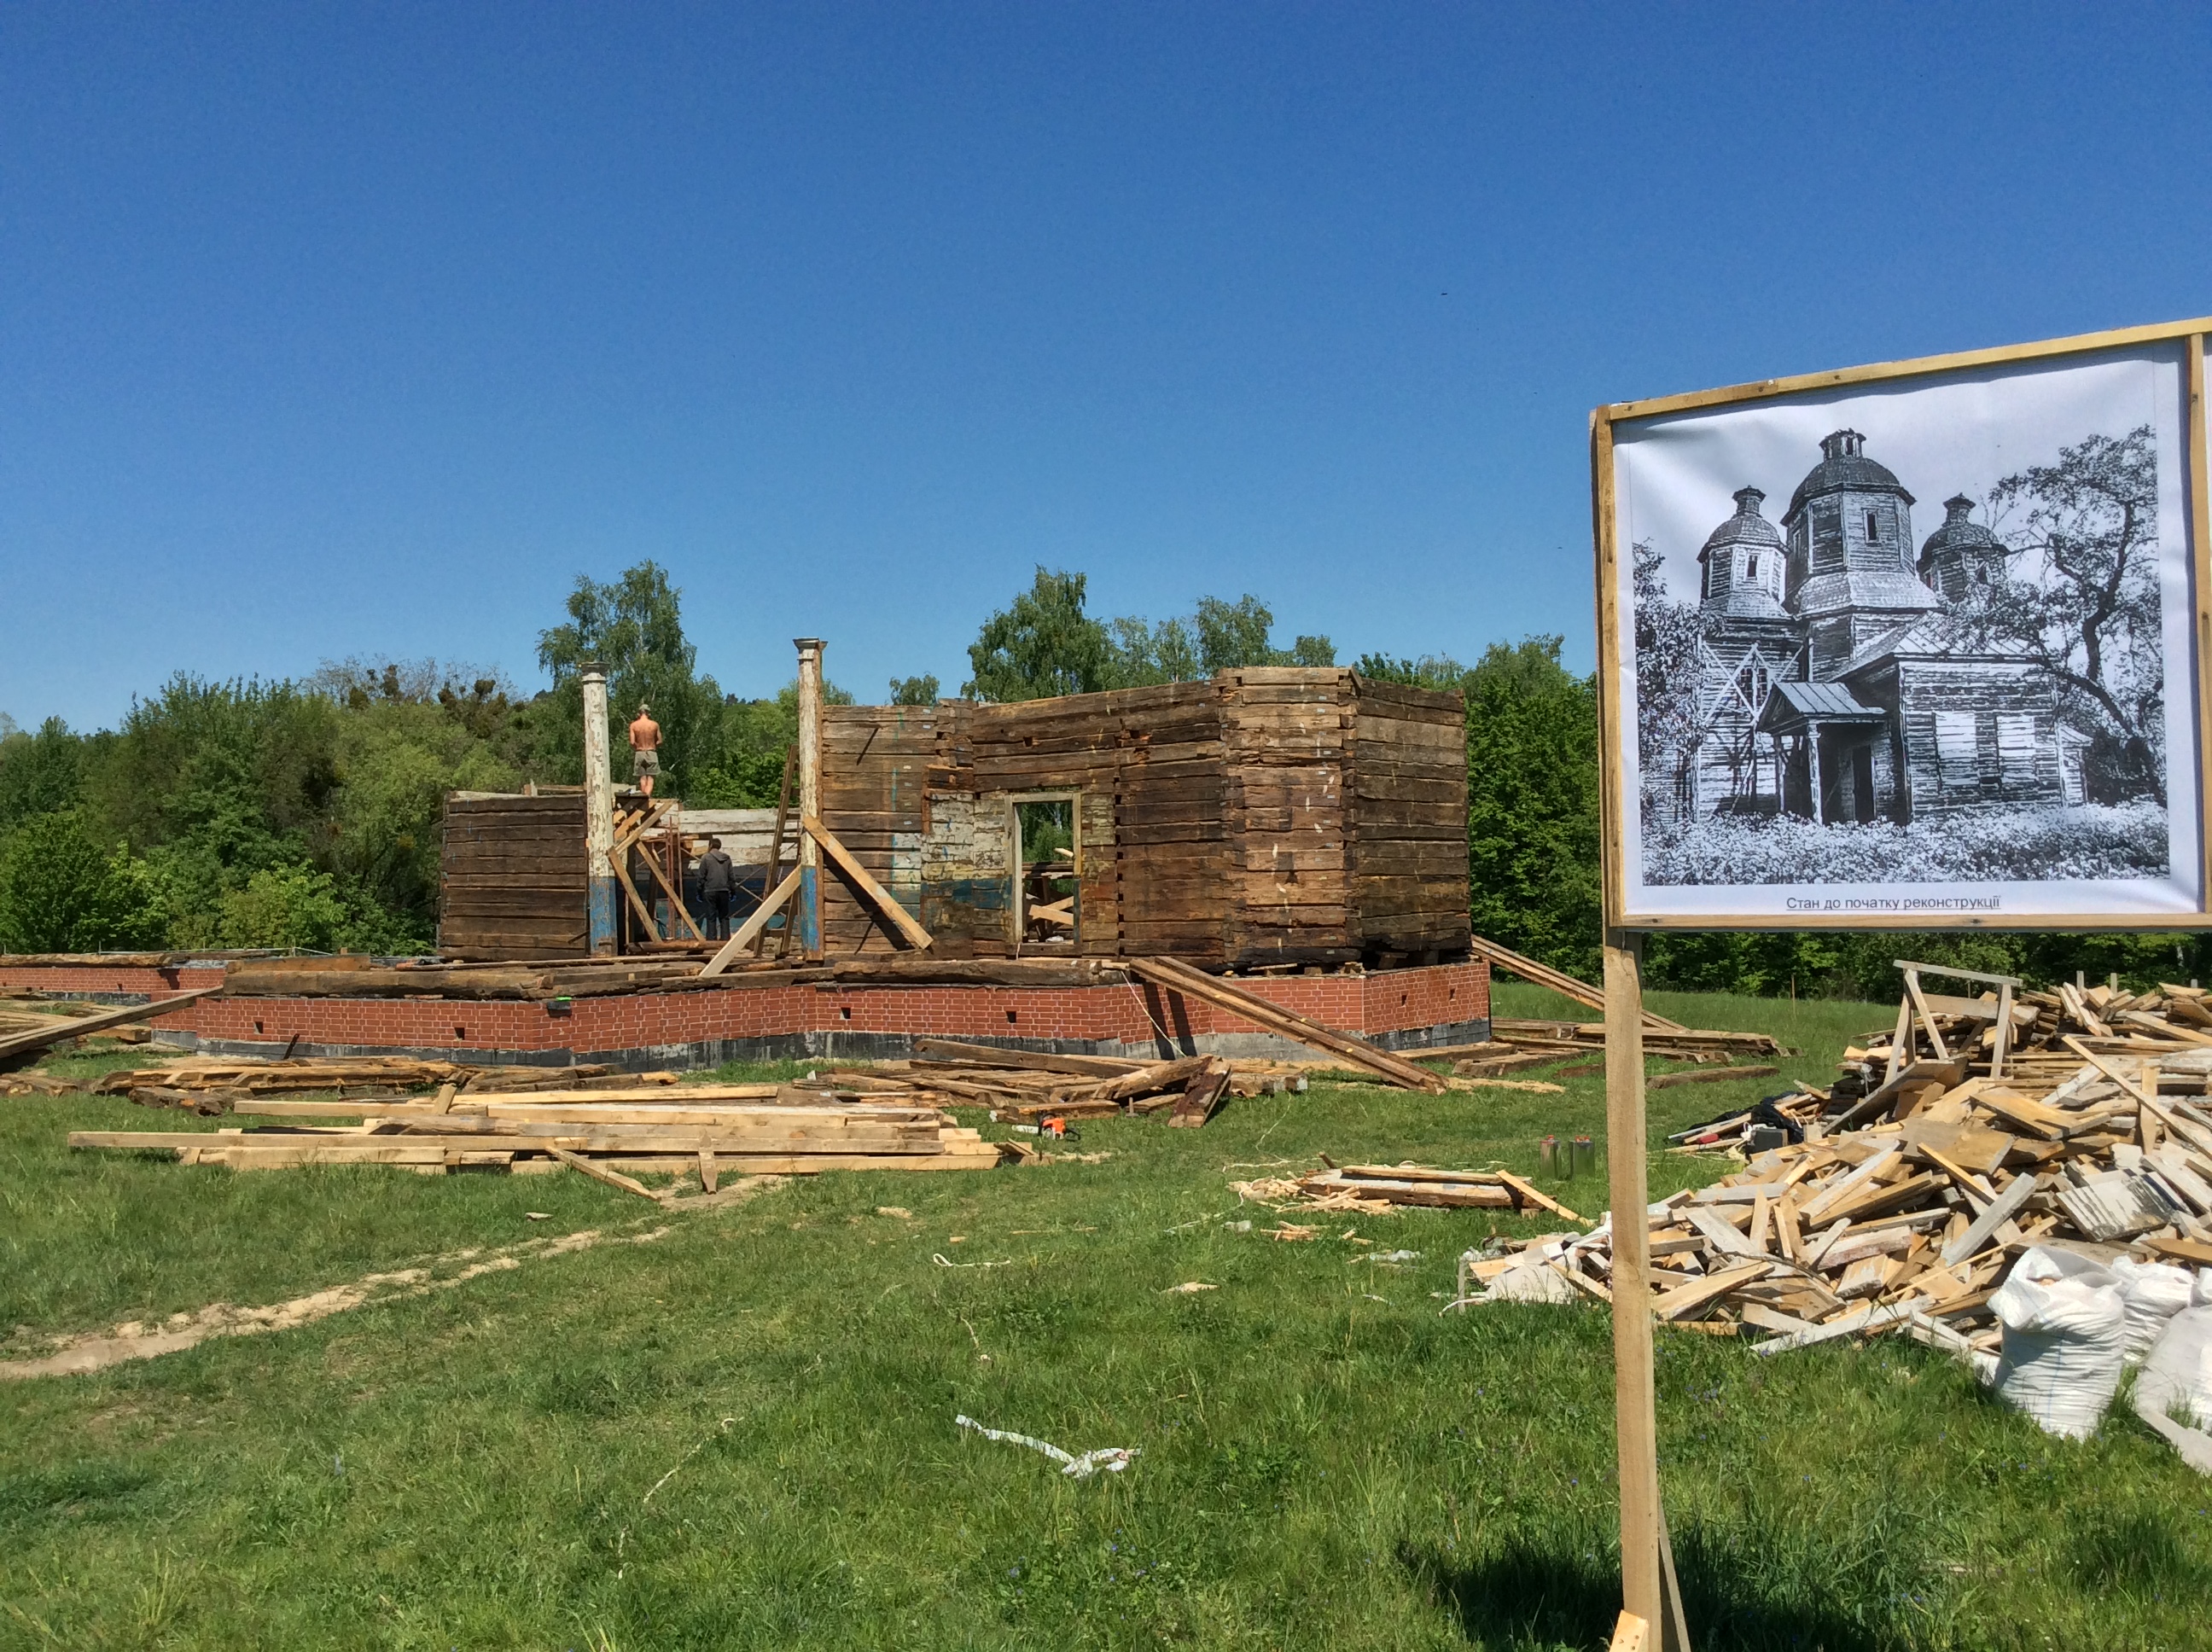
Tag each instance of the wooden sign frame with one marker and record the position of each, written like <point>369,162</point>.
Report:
<point>2194,678</point>
<point>1648,1589</point>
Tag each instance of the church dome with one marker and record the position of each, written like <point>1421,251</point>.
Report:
<point>1958,533</point>
<point>1746,527</point>
<point>1844,467</point>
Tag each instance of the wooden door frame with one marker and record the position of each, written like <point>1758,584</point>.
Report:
<point>1017,908</point>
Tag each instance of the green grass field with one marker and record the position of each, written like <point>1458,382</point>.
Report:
<point>741,1434</point>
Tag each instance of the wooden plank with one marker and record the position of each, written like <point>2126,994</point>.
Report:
<point>1104,1067</point>
<point>1635,1394</point>
<point>901,919</point>
<point>1500,957</point>
<point>1181,977</point>
<point>39,1038</point>
<point>600,1173</point>
<point>753,926</point>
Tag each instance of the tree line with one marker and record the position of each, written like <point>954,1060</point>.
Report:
<point>307,814</point>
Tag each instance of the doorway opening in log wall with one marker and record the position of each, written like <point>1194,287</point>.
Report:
<point>1046,908</point>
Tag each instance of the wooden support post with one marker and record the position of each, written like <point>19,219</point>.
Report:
<point>1635,1402</point>
<point>1900,1041</point>
<point>1927,1017</point>
<point>809,792</point>
<point>599,815</point>
<point>775,844</point>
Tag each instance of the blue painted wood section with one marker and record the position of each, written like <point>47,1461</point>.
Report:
<point>602,915</point>
<point>810,930</point>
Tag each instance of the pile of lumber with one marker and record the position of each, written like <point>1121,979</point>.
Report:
<point>1907,1206</point>
<point>1355,1188</point>
<point>1027,1086</point>
<point>1552,1039</point>
<point>612,1135</point>
<point>572,978</point>
<point>213,1087</point>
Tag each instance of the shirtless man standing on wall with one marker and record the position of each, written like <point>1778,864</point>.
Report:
<point>645,749</point>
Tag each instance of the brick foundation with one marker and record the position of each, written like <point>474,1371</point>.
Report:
<point>1401,1009</point>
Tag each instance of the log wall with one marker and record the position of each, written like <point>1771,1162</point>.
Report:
<point>1269,815</point>
<point>513,878</point>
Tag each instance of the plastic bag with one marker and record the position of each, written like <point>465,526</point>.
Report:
<point>2177,1377</point>
<point>2065,1330</point>
<point>2154,1292</point>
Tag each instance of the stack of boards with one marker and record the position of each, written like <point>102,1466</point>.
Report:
<point>715,1129</point>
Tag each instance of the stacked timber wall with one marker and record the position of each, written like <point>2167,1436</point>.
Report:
<point>513,879</point>
<point>1271,815</point>
<point>1406,823</point>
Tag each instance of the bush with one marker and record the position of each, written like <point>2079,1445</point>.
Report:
<point>61,892</point>
<point>1984,847</point>
<point>292,908</point>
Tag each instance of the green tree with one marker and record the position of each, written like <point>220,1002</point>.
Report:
<point>914,690</point>
<point>634,627</point>
<point>61,891</point>
<point>1041,645</point>
<point>40,773</point>
<point>1231,635</point>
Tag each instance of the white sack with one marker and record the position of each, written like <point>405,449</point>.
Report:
<point>2065,1329</point>
<point>2177,1377</point>
<point>1530,1282</point>
<point>2154,1292</point>
<point>2201,1297</point>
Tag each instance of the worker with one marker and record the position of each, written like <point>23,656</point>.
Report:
<point>645,749</point>
<point>718,881</point>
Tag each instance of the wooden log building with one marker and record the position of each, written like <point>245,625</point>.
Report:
<point>1271,816</point>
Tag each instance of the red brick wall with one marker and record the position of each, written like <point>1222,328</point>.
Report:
<point>1399,1000</point>
<point>136,982</point>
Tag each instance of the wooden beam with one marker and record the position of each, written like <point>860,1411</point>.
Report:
<point>881,898</point>
<point>1542,974</point>
<point>753,926</point>
<point>1635,1419</point>
<point>1178,976</point>
<point>39,1038</point>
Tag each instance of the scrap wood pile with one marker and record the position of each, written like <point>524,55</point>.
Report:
<point>2048,1033</point>
<point>212,1087</point>
<point>1907,1206</point>
<point>572,978</point>
<point>1028,1086</point>
<point>610,1134</point>
<point>1374,1189</point>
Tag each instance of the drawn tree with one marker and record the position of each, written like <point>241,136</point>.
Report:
<point>1668,635</point>
<point>2084,597</point>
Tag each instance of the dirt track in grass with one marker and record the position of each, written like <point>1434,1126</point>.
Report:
<point>96,1350</point>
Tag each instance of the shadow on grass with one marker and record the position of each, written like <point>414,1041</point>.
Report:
<point>1531,1594</point>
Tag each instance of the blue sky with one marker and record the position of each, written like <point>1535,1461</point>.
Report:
<point>331,330</point>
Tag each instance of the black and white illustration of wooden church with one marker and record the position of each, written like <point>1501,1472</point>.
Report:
<point>1835,683</point>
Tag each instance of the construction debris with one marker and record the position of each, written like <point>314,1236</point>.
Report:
<point>1560,1038</point>
<point>1372,1189</point>
<point>2099,1142</point>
